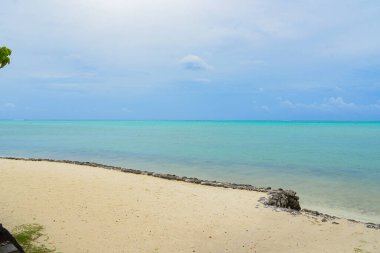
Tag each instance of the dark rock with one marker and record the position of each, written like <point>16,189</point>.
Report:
<point>312,212</point>
<point>324,220</point>
<point>284,198</point>
<point>263,200</point>
<point>8,243</point>
<point>169,176</point>
<point>8,248</point>
<point>373,225</point>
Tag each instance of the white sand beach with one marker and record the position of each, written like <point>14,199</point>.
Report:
<point>89,209</point>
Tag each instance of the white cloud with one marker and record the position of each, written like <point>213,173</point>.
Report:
<point>7,106</point>
<point>136,46</point>
<point>202,80</point>
<point>375,106</point>
<point>61,75</point>
<point>265,108</point>
<point>126,110</point>
<point>339,102</point>
<point>330,104</point>
<point>147,34</point>
<point>195,63</point>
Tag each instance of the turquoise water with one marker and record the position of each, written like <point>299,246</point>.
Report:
<point>334,166</point>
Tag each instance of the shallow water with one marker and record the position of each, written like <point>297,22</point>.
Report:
<point>334,166</point>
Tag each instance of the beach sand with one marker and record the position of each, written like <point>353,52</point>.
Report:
<point>89,209</point>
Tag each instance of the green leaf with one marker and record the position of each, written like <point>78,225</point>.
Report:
<point>5,56</point>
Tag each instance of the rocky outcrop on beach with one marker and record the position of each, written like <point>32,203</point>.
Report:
<point>284,199</point>
<point>192,180</point>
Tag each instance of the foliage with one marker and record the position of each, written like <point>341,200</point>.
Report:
<point>29,237</point>
<point>4,56</point>
<point>359,250</point>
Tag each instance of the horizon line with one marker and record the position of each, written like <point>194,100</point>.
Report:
<point>257,120</point>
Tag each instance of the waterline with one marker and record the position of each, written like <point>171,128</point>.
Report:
<point>334,166</point>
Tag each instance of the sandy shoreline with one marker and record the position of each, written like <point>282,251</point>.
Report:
<point>90,209</point>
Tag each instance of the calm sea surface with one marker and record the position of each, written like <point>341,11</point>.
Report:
<point>334,166</point>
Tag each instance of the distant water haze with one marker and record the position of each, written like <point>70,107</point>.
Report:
<point>334,166</point>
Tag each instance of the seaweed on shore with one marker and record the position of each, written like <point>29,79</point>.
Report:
<point>31,237</point>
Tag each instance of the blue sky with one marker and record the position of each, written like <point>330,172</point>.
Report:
<point>191,59</point>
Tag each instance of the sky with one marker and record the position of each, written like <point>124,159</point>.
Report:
<point>191,59</point>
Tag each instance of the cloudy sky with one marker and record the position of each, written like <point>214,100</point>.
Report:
<point>191,59</point>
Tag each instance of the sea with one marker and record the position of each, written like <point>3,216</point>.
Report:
<point>333,166</point>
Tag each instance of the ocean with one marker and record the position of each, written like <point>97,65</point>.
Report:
<point>333,166</point>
